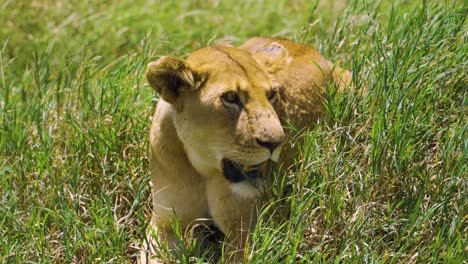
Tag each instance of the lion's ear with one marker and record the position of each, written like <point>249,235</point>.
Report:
<point>169,76</point>
<point>272,57</point>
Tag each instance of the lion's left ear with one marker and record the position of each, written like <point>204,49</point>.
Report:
<point>170,76</point>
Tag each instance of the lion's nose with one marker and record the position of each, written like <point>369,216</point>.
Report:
<point>271,145</point>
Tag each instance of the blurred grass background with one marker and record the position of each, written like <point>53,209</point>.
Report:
<point>382,179</point>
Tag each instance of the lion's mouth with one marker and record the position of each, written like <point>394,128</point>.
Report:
<point>236,173</point>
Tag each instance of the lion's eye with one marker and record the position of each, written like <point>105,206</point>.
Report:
<point>231,98</point>
<point>272,95</point>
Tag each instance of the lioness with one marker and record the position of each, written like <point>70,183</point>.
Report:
<point>219,118</point>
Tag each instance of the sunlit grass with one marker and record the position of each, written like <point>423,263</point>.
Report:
<point>381,179</point>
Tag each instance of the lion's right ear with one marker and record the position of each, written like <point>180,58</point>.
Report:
<point>169,76</point>
<point>272,58</point>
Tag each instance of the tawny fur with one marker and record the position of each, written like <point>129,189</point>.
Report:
<point>193,129</point>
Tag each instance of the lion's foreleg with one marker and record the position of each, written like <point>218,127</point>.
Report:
<point>233,214</point>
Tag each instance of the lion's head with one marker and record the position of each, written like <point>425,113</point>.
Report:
<point>222,104</point>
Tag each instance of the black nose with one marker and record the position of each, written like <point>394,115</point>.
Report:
<point>269,145</point>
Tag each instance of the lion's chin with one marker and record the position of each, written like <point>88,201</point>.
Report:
<point>248,190</point>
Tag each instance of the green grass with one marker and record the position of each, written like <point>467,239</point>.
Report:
<point>382,179</point>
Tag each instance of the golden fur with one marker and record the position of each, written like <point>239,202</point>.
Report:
<point>303,75</point>
<point>223,106</point>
